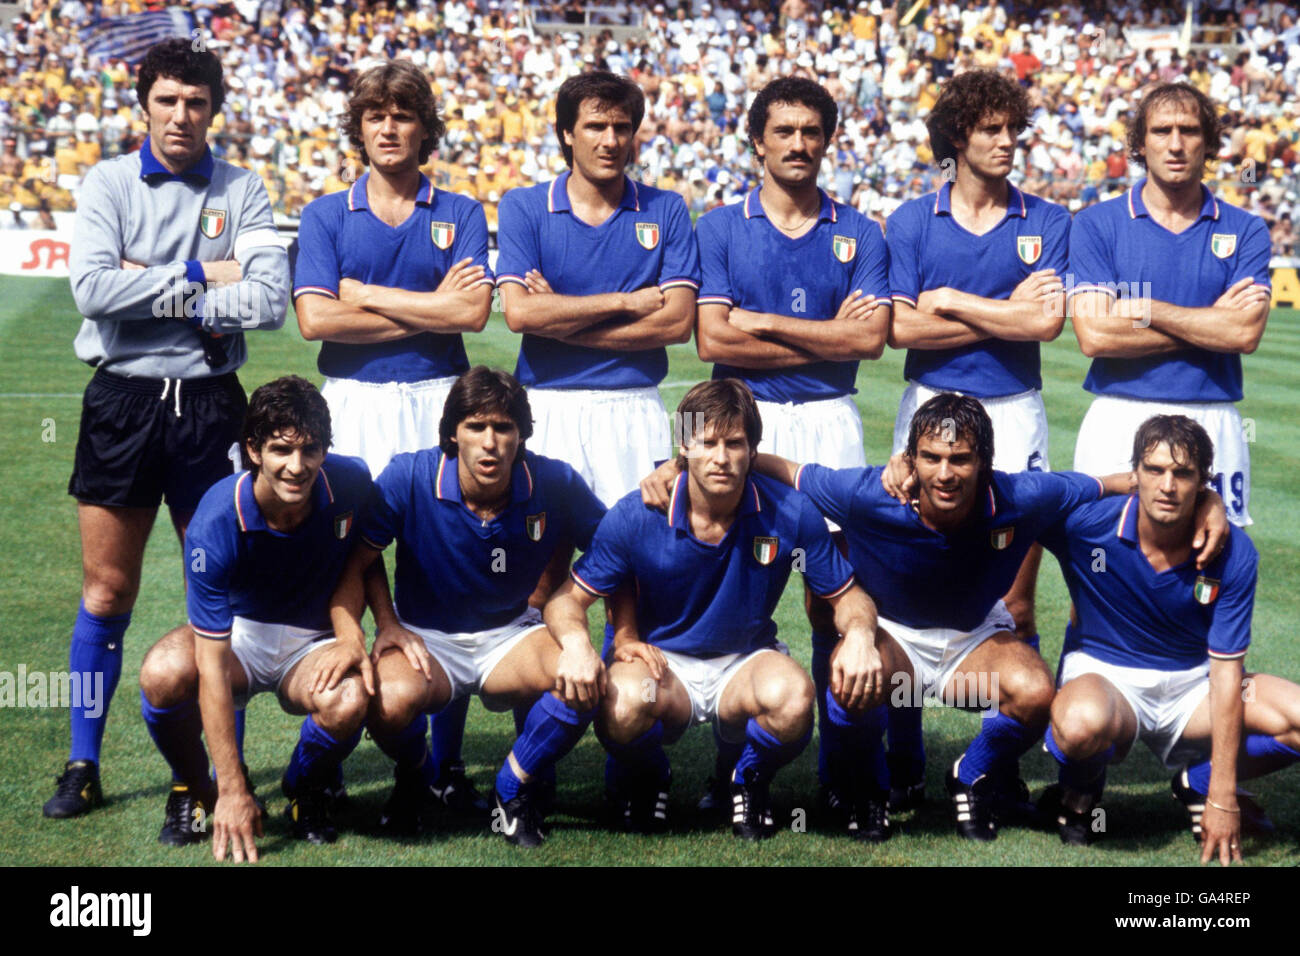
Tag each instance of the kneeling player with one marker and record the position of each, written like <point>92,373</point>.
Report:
<point>708,576</point>
<point>477,521</point>
<point>265,549</point>
<point>1157,651</point>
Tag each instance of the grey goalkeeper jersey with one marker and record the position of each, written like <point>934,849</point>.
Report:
<point>134,320</point>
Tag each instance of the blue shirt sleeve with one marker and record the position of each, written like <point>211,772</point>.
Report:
<point>606,564</point>
<point>827,572</point>
<point>904,242</point>
<point>584,509</point>
<point>471,240</point>
<point>1253,257</point>
<point>518,246</point>
<point>383,520</point>
<point>834,490</point>
<point>1058,493</point>
<point>208,567</point>
<point>715,275</point>
<point>681,261</point>
<point>1092,265</point>
<point>1230,630</point>
<point>871,264</point>
<point>1056,241</point>
<point>317,268</point>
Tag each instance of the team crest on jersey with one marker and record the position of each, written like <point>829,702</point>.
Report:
<point>212,222</point>
<point>1223,244</point>
<point>765,549</point>
<point>1000,538</point>
<point>535,525</point>
<point>342,525</point>
<point>442,233</point>
<point>1206,590</point>
<point>1029,248</point>
<point>647,233</point>
<point>844,247</point>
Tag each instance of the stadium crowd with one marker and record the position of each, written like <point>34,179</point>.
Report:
<point>289,65</point>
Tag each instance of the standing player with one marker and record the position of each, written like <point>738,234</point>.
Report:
<point>389,274</point>
<point>976,275</point>
<point>1171,286</point>
<point>708,576</point>
<point>1156,651</point>
<point>175,254</point>
<point>794,291</point>
<point>477,521</point>
<point>268,546</point>
<point>599,273</point>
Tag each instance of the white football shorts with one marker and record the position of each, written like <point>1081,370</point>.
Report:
<point>706,678</point>
<point>1163,701</point>
<point>267,652</point>
<point>468,658</point>
<point>1019,426</point>
<point>936,655</point>
<point>376,420</point>
<point>1105,444</point>
<point>611,437</point>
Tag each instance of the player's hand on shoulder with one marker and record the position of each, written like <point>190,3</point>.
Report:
<point>579,674</point>
<point>463,275</point>
<point>898,478</point>
<point>410,644</point>
<point>645,301</point>
<point>856,307</point>
<point>657,487</point>
<point>647,654</point>
<point>1220,835</point>
<point>1212,528</point>
<point>1037,285</point>
<point>236,820</point>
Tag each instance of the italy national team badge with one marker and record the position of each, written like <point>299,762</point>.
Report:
<point>1223,244</point>
<point>1206,590</point>
<point>1029,248</point>
<point>342,525</point>
<point>535,525</point>
<point>844,247</point>
<point>1000,538</point>
<point>765,549</point>
<point>212,222</point>
<point>647,233</point>
<point>442,233</point>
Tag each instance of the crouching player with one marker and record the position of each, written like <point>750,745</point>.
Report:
<point>1156,653</point>
<point>264,550</point>
<point>708,576</point>
<point>477,521</point>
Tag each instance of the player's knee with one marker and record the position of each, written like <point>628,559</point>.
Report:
<point>1080,727</point>
<point>1026,693</point>
<point>394,706</point>
<point>787,702</point>
<point>341,711</point>
<point>107,592</point>
<point>168,674</point>
<point>628,706</point>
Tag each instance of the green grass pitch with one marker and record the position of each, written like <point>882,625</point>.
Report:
<point>40,387</point>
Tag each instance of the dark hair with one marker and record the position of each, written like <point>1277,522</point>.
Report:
<point>397,83</point>
<point>952,417</point>
<point>791,89</point>
<point>1184,94</point>
<point>965,100</point>
<point>1186,439</point>
<point>477,392</point>
<point>287,404</point>
<point>176,58</point>
<point>720,404</point>
<point>609,90</point>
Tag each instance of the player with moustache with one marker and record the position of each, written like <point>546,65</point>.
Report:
<point>1156,652</point>
<point>477,520</point>
<point>937,560</point>
<point>1171,288</point>
<point>794,293</point>
<point>709,570</point>
<point>976,272</point>
<point>266,547</point>
<point>175,255</point>
<point>390,275</point>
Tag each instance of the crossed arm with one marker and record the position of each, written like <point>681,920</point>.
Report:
<point>621,321</point>
<point>947,318</point>
<point>764,340</point>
